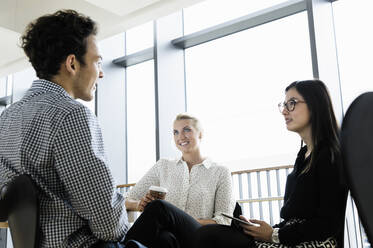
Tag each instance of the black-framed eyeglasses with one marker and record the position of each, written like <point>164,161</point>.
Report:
<point>289,105</point>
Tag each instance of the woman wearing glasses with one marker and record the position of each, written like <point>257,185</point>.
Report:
<point>315,194</point>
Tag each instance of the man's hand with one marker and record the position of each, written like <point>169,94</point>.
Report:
<point>262,231</point>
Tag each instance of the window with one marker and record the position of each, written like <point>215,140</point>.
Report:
<point>139,38</point>
<point>219,11</point>
<point>354,39</point>
<point>2,87</point>
<point>2,91</point>
<point>234,84</point>
<point>141,147</point>
<point>9,85</point>
<point>355,50</point>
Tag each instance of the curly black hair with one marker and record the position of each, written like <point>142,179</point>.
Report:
<point>51,38</point>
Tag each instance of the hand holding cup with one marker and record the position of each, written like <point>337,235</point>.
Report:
<point>154,193</point>
<point>158,192</point>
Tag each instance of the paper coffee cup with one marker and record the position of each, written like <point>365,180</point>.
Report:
<point>158,192</point>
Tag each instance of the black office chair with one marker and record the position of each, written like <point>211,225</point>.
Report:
<point>357,150</point>
<point>19,206</point>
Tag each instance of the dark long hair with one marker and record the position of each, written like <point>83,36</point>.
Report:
<point>324,128</point>
<point>51,38</point>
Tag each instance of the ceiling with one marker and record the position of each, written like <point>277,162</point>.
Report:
<point>113,17</point>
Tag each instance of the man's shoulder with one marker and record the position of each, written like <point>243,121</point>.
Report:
<point>51,102</point>
<point>46,107</point>
<point>44,94</point>
<point>62,102</point>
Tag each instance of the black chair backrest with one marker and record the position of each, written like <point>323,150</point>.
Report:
<point>357,150</point>
<point>19,206</point>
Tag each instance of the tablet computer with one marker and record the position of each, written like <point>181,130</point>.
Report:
<point>237,219</point>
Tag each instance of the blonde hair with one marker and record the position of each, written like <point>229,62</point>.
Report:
<point>195,122</point>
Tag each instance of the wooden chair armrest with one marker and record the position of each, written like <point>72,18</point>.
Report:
<point>4,225</point>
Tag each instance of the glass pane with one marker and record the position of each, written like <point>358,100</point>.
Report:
<point>140,120</point>
<point>220,11</point>
<point>353,24</point>
<point>9,87</point>
<point>234,84</point>
<point>139,38</point>
<point>2,86</point>
<point>2,91</point>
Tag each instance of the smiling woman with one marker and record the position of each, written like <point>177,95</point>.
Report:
<point>196,185</point>
<point>187,136</point>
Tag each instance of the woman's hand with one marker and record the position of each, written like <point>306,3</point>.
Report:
<point>262,231</point>
<point>206,221</point>
<point>144,201</point>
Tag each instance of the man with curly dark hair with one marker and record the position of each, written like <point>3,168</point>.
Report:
<point>50,39</point>
<point>57,142</point>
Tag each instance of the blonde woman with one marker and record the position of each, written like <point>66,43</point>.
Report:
<point>195,184</point>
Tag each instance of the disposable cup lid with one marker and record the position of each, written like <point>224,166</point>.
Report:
<point>158,189</point>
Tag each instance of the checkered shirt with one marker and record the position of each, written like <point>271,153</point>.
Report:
<point>57,142</point>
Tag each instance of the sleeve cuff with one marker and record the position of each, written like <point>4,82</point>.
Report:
<point>275,236</point>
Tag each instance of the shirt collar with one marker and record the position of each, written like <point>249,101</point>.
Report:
<point>48,86</point>
<point>206,163</point>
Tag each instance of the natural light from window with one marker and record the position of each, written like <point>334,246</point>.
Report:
<point>234,85</point>
<point>355,47</point>
<point>2,87</point>
<point>140,120</point>
<point>139,38</point>
<point>219,11</point>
